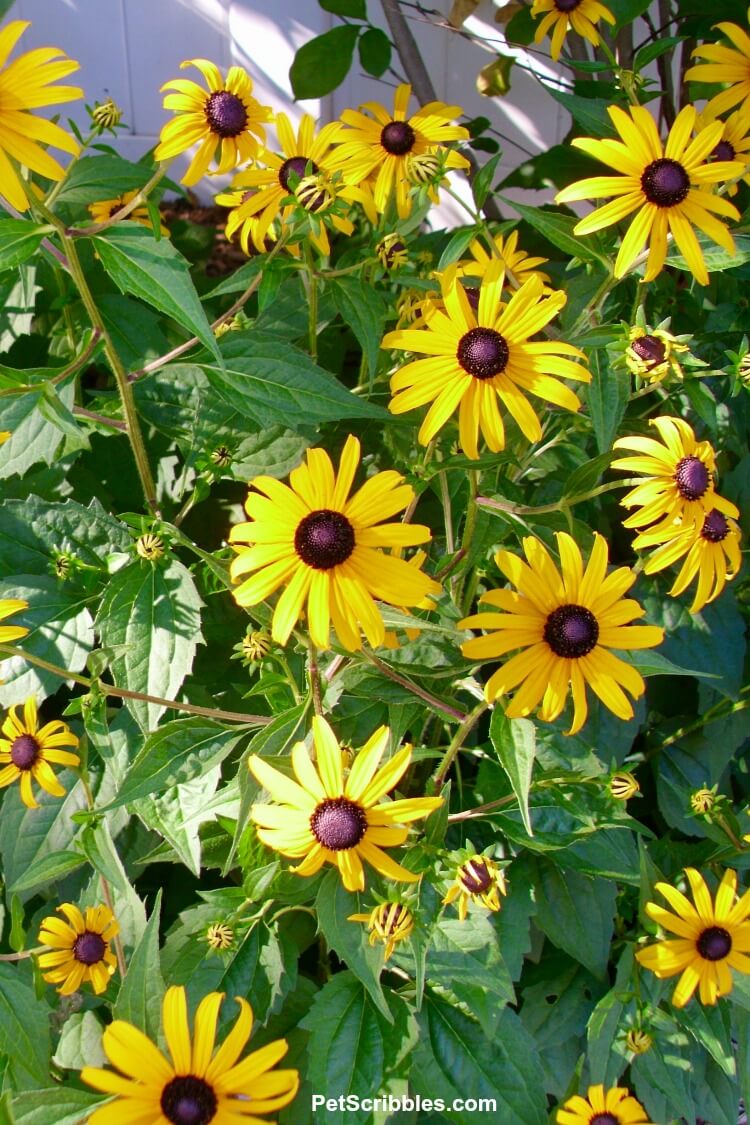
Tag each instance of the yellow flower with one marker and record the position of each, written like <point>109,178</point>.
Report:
<point>193,1087</point>
<point>327,819</point>
<point>10,633</point>
<point>149,546</point>
<point>474,359</point>
<point>566,623</point>
<point>389,923</point>
<point>652,355</point>
<point>327,549</point>
<point>678,482</point>
<point>702,801</point>
<point>256,194</point>
<point>562,15</point>
<point>26,751</point>
<point>80,948</point>
<point>478,880</point>
<point>623,786</point>
<point>104,209</point>
<point>638,1041</point>
<point>107,115</point>
<point>664,183</point>
<point>711,551</point>
<point>712,937</point>
<point>734,142</point>
<point>219,936</point>
<point>611,1107</point>
<point>391,252</point>
<point>226,121</point>
<point>377,145</point>
<point>518,265</point>
<point>726,64</point>
<point>24,138</point>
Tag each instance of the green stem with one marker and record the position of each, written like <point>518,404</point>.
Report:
<point>558,505</point>
<point>123,212</point>
<point>719,711</point>
<point>312,299</point>
<point>425,696</point>
<point>23,953</point>
<point>313,673</point>
<point>727,829</point>
<point>283,663</point>
<point>457,742</point>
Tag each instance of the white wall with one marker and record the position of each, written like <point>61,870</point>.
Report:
<point>128,48</point>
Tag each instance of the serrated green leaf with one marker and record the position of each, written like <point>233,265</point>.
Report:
<point>150,618</point>
<point>362,308</point>
<point>274,383</point>
<point>102,177</point>
<point>576,913</point>
<point>47,869</point>
<point>19,240</point>
<point>177,752</point>
<point>715,257</point>
<point>466,960</point>
<point>80,1043</point>
<point>140,996</point>
<point>348,940</point>
<point>156,273</point>
<point>24,1026</point>
<point>60,631</point>
<point>33,532</point>
<point>34,437</point>
<point>323,63</point>
<point>177,815</point>
<point>515,744</point>
<point>61,1104</point>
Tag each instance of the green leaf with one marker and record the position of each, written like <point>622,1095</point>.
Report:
<point>453,1059</point>
<point>607,396</point>
<point>102,177</point>
<point>481,184</point>
<point>273,383</point>
<point>626,11</point>
<point>362,308</point>
<point>711,643</point>
<point>715,258</point>
<point>140,996</point>
<point>576,913</point>
<point>515,743</point>
<point>178,814</point>
<point>61,1104</point>
<point>60,631</point>
<point>353,9</point>
<point>29,835</point>
<point>348,939</point>
<point>179,751</point>
<point>557,228</point>
<point>47,869</point>
<point>133,329</point>
<point>652,50</point>
<point>590,113</point>
<point>80,1044</point>
<point>150,617</point>
<point>456,246</point>
<point>374,51</point>
<point>19,240</point>
<point>466,960</point>
<point>96,844</point>
<point>24,1026</point>
<point>35,433</point>
<point>33,532</point>
<point>156,273</point>
<point>323,63</point>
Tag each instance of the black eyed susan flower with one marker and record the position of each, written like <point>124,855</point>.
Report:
<point>377,145</point>
<point>678,481</point>
<point>638,1041</point>
<point>327,549</point>
<point>80,948</point>
<point>323,818</point>
<point>664,183</point>
<point>616,1106</point>
<point>566,623</point>
<point>711,552</point>
<point>106,115</point>
<point>10,633</point>
<point>104,209</point>
<point>560,16</point>
<point>26,751</point>
<point>734,142</point>
<point>478,880</point>
<point>474,359</point>
<point>149,547</point>
<point>623,785</point>
<point>391,252</point>
<point>725,64</point>
<point>196,1086</point>
<point>219,936</point>
<point>652,355</point>
<point>703,802</point>
<point>712,938</point>
<point>518,264</point>
<point>24,138</point>
<point>389,923</point>
<point>225,121</point>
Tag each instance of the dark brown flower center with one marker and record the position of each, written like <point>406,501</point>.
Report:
<point>714,944</point>
<point>398,138</point>
<point>226,114</point>
<point>324,539</point>
<point>338,824</point>
<point>715,527</point>
<point>692,478</point>
<point>650,349</point>
<point>24,751</point>
<point>483,353</point>
<point>392,252</point>
<point>475,876</point>
<point>188,1101</point>
<point>724,151</point>
<point>472,296</point>
<point>567,5</point>
<point>605,1119</point>
<point>665,183</point>
<point>89,948</point>
<point>571,631</point>
<point>298,166</point>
